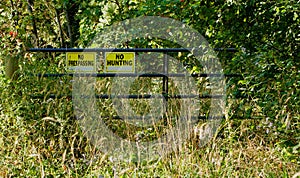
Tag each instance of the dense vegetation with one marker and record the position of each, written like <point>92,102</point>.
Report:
<point>260,135</point>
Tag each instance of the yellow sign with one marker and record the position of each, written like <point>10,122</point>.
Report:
<point>81,61</point>
<point>119,62</point>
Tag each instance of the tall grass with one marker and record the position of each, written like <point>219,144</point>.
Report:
<point>40,137</point>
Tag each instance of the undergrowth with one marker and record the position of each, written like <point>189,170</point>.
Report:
<point>40,137</point>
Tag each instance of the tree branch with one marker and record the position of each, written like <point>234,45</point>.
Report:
<point>29,7</point>
<point>62,39</point>
<point>69,25</point>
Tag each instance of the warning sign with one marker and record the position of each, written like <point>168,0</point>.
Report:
<point>81,61</point>
<point>119,62</point>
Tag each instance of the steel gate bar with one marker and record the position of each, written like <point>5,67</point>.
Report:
<point>165,95</point>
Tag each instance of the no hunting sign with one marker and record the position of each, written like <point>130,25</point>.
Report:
<point>119,62</point>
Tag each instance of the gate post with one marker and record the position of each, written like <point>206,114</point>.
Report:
<point>11,66</point>
<point>165,85</point>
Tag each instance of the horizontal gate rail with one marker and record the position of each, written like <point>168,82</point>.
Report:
<point>135,75</point>
<point>149,117</point>
<point>201,117</point>
<point>146,96</point>
<point>164,50</point>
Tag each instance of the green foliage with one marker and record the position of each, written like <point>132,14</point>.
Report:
<point>40,137</point>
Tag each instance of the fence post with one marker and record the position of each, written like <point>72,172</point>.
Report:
<point>11,66</point>
<point>165,86</point>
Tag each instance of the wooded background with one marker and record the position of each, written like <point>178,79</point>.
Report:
<point>266,33</point>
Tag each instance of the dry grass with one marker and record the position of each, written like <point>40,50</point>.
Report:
<point>41,138</point>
